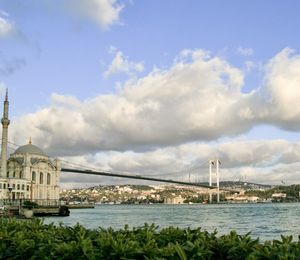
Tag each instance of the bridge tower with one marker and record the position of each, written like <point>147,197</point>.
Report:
<point>214,163</point>
<point>218,180</point>
<point>211,163</point>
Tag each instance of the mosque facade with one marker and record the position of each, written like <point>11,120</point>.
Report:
<point>28,173</point>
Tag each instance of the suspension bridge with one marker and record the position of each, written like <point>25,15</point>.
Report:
<point>195,166</point>
<point>190,172</point>
<point>187,172</point>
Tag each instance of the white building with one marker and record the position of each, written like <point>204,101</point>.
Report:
<point>279,195</point>
<point>28,173</point>
<point>174,200</point>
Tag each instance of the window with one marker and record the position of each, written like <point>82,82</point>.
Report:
<point>14,174</point>
<point>23,186</point>
<point>33,177</point>
<point>4,185</point>
<point>48,178</point>
<point>0,185</point>
<point>14,186</point>
<point>41,177</point>
<point>18,186</point>
<point>7,174</point>
<point>21,174</point>
<point>27,187</point>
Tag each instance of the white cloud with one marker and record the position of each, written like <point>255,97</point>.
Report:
<point>199,98</point>
<point>196,100</point>
<point>282,87</point>
<point>245,51</point>
<point>103,12</point>
<point>121,64</point>
<point>7,28</point>
<point>188,55</point>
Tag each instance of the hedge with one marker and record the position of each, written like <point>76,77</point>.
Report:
<point>32,239</point>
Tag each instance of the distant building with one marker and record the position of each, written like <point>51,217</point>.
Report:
<point>174,200</point>
<point>28,173</point>
<point>279,195</point>
<point>242,198</point>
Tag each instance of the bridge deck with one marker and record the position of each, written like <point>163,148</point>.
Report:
<point>137,177</point>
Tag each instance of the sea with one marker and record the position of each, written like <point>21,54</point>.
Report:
<point>266,221</point>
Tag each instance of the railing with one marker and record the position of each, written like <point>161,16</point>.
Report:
<point>8,202</point>
<point>41,202</point>
<point>19,202</point>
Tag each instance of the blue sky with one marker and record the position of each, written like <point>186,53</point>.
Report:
<point>58,57</point>
<point>57,46</point>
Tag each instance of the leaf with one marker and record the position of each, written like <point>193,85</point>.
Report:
<point>180,251</point>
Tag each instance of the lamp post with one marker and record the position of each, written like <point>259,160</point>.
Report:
<point>31,189</point>
<point>10,193</point>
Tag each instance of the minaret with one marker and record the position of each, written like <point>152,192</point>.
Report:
<point>5,123</point>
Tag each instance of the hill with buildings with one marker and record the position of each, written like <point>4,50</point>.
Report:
<point>136,194</point>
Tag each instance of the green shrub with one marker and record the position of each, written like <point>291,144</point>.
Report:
<point>29,204</point>
<point>32,239</point>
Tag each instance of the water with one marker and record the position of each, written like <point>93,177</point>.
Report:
<point>266,221</point>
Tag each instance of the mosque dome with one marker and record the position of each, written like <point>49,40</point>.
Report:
<point>31,149</point>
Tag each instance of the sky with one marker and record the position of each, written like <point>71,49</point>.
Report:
<point>151,87</point>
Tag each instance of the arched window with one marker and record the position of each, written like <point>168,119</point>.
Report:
<point>48,178</point>
<point>14,174</point>
<point>33,177</point>
<point>41,177</point>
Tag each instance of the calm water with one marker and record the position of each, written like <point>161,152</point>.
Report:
<point>266,221</point>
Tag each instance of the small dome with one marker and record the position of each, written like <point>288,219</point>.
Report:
<point>29,148</point>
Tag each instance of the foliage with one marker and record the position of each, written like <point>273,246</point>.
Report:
<point>29,204</point>
<point>291,191</point>
<point>31,239</point>
<point>203,198</point>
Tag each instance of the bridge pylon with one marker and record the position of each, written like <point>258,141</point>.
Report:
<point>214,164</point>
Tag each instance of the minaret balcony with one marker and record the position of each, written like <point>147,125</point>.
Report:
<point>5,121</point>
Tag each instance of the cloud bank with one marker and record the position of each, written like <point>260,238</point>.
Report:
<point>262,161</point>
<point>185,103</point>
<point>198,98</point>
<point>155,122</point>
<point>282,88</point>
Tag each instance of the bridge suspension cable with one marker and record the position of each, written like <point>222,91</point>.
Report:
<point>137,177</point>
<point>104,172</point>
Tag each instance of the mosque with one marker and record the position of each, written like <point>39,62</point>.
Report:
<point>28,173</point>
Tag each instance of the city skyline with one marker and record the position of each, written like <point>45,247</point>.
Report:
<point>150,86</point>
